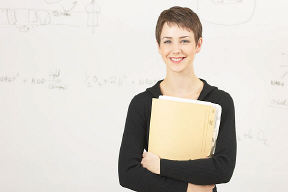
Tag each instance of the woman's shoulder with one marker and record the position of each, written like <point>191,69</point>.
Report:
<point>225,100</point>
<point>221,97</point>
<point>142,97</point>
<point>140,101</point>
<point>145,97</point>
<point>224,96</point>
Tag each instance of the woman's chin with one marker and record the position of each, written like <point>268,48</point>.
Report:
<point>176,69</point>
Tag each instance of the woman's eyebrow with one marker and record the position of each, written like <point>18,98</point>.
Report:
<point>184,36</point>
<point>179,37</point>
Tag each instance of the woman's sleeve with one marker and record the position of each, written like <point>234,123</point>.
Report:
<point>217,169</point>
<point>130,171</point>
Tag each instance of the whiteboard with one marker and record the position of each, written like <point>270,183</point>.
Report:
<point>69,68</point>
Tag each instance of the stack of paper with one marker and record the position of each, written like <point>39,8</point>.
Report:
<point>183,129</point>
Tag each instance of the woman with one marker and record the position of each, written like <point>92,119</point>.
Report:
<point>179,38</point>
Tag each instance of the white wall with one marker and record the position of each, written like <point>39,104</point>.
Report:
<point>68,70</point>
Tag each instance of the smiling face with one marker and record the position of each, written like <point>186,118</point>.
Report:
<point>178,48</point>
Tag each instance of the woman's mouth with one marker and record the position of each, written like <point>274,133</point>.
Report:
<point>177,59</point>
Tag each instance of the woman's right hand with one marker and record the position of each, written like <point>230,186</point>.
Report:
<point>199,188</point>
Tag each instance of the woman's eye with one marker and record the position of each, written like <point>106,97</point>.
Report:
<point>185,41</point>
<point>168,41</point>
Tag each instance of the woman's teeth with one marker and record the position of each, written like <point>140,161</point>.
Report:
<point>177,59</point>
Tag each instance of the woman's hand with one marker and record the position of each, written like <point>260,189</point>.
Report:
<point>151,162</point>
<point>199,188</point>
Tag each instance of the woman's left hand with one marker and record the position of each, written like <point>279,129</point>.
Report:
<point>151,162</point>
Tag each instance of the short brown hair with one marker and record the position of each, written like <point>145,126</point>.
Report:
<point>184,17</point>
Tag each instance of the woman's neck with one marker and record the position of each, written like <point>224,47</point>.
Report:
<point>180,85</point>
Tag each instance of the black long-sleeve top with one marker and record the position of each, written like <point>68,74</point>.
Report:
<point>175,175</point>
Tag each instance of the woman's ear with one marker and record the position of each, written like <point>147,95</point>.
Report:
<point>199,45</point>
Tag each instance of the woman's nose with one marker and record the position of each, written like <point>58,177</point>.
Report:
<point>176,48</point>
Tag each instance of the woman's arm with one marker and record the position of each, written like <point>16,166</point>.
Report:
<point>131,173</point>
<point>217,169</point>
<point>151,162</point>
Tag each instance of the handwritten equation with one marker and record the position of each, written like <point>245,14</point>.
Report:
<point>56,80</point>
<point>25,19</point>
<point>124,80</point>
<point>53,80</point>
<point>257,136</point>
<point>279,87</point>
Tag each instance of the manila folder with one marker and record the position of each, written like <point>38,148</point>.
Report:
<point>180,130</point>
